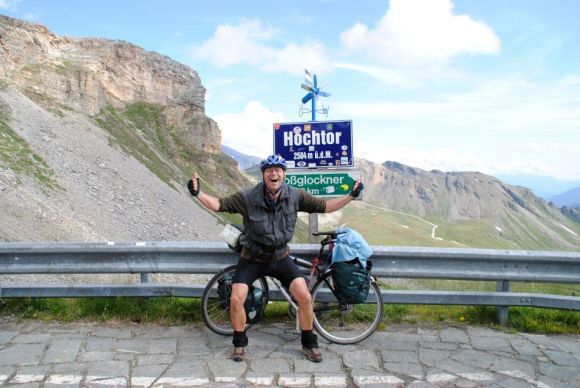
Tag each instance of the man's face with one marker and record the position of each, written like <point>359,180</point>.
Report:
<point>273,178</point>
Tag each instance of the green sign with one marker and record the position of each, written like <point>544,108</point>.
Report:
<point>323,183</point>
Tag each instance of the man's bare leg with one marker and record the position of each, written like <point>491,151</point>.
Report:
<point>238,318</point>
<point>300,292</point>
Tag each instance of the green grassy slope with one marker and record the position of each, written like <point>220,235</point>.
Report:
<point>382,226</point>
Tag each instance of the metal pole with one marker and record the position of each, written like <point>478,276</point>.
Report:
<point>312,227</point>
<point>313,218</point>
<point>501,312</point>
<point>145,277</point>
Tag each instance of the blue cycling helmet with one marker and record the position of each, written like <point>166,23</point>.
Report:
<point>273,161</point>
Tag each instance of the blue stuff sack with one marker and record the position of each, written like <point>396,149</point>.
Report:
<point>350,244</point>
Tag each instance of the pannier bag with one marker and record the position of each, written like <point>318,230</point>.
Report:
<point>224,290</point>
<point>352,271</point>
<point>352,281</point>
<point>254,304</point>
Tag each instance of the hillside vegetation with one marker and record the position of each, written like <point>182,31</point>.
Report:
<point>98,142</point>
<point>381,226</point>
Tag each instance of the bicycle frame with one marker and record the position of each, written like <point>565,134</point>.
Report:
<point>316,266</point>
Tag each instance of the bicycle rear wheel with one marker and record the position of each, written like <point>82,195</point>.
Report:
<point>215,301</point>
<point>345,323</point>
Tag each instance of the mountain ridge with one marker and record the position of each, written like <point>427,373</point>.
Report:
<point>543,186</point>
<point>569,198</point>
<point>100,137</point>
<point>245,161</point>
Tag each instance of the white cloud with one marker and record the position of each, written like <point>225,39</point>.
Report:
<point>550,146</point>
<point>251,130</point>
<point>420,32</point>
<point>293,59</point>
<point>503,126</point>
<point>250,43</point>
<point>503,105</point>
<point>570,80</point>
<point>444,159</point>
<point>392,78</point>
<point>449,159</point>
<point>9,4</point>
<point>233,45</point>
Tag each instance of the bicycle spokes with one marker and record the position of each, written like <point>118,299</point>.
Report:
<point>345,323</point>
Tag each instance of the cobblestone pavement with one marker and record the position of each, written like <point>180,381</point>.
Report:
<point>40,354</point>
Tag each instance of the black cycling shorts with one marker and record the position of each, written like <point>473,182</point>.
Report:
<point>284,270</point>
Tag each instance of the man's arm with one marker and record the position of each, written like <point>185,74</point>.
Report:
<point>209,201</point>
<point>333,204</point>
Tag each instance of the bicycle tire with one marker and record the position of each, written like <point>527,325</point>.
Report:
<point>215,309</point>
<point>341,323</point>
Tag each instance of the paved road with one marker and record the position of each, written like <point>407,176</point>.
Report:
<point>36,354</point>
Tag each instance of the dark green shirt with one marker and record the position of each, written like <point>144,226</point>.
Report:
<point>307,203</point>
<point>268,230</point>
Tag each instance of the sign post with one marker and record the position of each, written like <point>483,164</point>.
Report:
<point>325,145</point>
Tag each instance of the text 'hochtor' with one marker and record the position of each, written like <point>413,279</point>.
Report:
<point>311,138</point>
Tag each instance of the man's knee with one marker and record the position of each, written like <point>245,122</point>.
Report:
<point>239,293</point>
<point>300,291</point>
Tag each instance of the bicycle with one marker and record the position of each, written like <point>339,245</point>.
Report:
<point>337,322</point>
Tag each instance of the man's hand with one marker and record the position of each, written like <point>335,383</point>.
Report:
<point>193,185</point>
<point>357,188</point>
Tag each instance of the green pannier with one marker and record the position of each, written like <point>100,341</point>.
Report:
<point>351,281</point>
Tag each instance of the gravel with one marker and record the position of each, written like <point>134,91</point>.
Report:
<point>102,193</point>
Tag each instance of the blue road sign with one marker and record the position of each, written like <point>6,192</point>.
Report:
<point>315,144</point>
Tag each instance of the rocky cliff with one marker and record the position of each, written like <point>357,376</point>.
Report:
<point>98,138</point>
<point>88,75</point>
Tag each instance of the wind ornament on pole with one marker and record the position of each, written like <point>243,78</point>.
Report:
<point>314,91</point>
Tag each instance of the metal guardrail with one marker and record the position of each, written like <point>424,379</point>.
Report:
<point>502,266</point>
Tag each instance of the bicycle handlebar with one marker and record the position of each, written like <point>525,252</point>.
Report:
<point>332,233</point>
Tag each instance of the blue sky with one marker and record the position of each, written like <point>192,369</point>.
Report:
<point>463,85</point>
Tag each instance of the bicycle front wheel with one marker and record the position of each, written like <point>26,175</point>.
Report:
<point>345,323</point>
<point>215,301</point>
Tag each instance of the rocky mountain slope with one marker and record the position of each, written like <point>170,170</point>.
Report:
<point>244,161</point>
<point>97,140</point>
<point>512,212</point>
<point>98,137</point>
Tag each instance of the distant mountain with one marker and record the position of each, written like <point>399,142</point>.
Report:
<point>570,198</point>
<point>245,161</point>
<point>543,186</point>
<point>478,206</point>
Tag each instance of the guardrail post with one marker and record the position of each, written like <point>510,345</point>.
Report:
<point>145,277</point>
<point>501,312</point>
<point>312,228</point>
